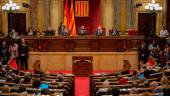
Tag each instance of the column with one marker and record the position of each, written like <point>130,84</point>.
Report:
<point>41,15</point>
<point>117,14</point>
<point>165,4</point>
<point>107,14</point>
<point>33,14</point>
<point>130,23</point>
<point>56,12</point>
<point>123,16</point>
<point>47,13</point>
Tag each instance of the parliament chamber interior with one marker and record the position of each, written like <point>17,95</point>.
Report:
<point>84,47</point>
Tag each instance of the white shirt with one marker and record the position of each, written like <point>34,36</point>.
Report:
<point>164,33</point>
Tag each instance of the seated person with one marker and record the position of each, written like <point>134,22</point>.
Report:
<point>30,32</point>
<point>65,32</point>
<point>133,92</point>
<point>99,31</point>
<point>61,30</point>
<point>114,32</point>
<point>82,31</point>
<point>126,67</point>
<point>27,79</point>
<point>22,91</point>
<point>60,77</point>
<point>5,89</point>
<point>164,32</point>
<point>115,91</point>
<point>105,90</point>
<point>154,86</point>
<point>36,83</point>
<point>49,32</point>
<point>13,34</point>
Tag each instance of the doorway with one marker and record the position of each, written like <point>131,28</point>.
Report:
<point>17,21</point>
<point>147,24</point>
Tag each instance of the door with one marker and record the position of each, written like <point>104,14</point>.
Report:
<point>147,24</point>
<point>168,15</point>
<point>17,21</point>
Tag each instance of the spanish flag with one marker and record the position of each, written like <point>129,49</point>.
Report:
<point>72,26</point>
<point>66,15</point>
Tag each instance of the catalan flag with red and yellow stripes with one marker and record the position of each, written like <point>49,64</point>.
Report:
<point>81,8</point>
<point>66,15</point>
<point>72,26</point>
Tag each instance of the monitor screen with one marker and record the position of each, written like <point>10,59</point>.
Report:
<point>44,86</point>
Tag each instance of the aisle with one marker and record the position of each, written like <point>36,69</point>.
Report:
<point>82,86</point>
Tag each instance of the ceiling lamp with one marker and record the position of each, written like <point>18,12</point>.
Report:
<point>10,6</point>
<point>153,6</point>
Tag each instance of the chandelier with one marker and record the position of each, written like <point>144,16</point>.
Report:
<point>10,6</point>
<point>153,6</point>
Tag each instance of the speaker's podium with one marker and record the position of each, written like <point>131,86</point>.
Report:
<point>82,65</point>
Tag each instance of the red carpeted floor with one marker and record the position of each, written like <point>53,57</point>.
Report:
<point>82,86</point>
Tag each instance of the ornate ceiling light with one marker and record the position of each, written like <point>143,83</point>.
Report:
<point>10,6</point>
<point>153,6</point>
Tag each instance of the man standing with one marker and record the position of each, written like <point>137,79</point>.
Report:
<point>4,53</point>
<point>23,54</point>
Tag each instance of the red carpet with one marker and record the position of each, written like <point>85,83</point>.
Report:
<point>82,86</point>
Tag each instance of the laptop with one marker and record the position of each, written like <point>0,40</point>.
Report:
<point>44,86</point>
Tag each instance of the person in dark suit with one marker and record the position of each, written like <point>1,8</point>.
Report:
<point>63,31</point>
<point>143,52</point>
<point>99,31</point>
<point>82,31</point>
<point>23,54</point>
<point>4,53</point>
<point>114,32</point>
<point>49,32</point>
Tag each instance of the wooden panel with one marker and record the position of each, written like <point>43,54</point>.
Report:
<point>101,60</point>
<point>83,44</point>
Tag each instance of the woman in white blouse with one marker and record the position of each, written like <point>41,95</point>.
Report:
<point>164,32</point>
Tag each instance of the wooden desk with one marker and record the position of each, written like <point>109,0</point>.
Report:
<point>83,43</point>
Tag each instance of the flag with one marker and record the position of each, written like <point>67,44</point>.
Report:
<point>72,26</point>
<point>82,8</point>
<point>66,15</point>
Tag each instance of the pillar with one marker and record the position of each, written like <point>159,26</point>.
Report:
<point>117,14</point>
<point>33,14</point>
<point>123,12</point>
<point>47,13</point>
<point>107,14</point>
<point>56,14</point>
<point>130,20</point>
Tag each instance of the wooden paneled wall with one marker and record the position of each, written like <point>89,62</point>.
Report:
<point>101,60</point>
